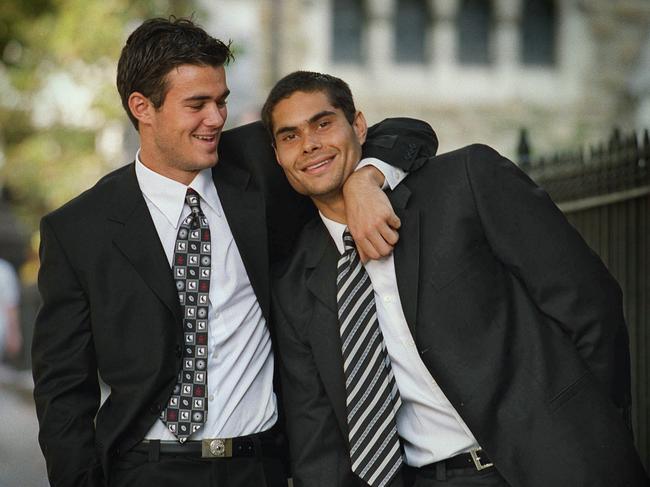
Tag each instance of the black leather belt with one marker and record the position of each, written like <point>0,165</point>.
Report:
<point>268,443</point>
<point>474,459</point>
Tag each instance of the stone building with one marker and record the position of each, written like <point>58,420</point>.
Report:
<point>477,70</point>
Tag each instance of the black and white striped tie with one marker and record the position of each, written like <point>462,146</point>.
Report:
<point>372,395</point>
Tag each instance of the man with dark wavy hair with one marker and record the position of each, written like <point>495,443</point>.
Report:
<point>489,349</point>
<point>157,279</point>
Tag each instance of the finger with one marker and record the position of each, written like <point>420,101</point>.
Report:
<point>369,250</point>
<point>379,245</point>
<point>362,255</point>
<point>394,221</point>
<point>389,235</point>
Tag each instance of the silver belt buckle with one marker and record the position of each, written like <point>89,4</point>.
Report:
<point>476,458</point>
<point>216,448</point>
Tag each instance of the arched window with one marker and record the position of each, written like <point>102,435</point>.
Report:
<point>474,31</point>
<point>347,31</point>
<point>411,23</point>
<point>538,31</point>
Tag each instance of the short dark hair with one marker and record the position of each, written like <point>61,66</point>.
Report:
<point>155,48</point>
<point>337,91</point>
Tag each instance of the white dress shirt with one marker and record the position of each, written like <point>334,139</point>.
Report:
<point>241,400</point>
<point>430,428</point>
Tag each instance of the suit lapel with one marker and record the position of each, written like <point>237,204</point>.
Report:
<point>407,254</point>
<point>138,240</point>
<point>246,214</point>
<point>324,325</point>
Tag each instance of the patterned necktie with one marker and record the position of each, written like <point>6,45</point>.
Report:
<point>372,395</point>
<point>187,408</point>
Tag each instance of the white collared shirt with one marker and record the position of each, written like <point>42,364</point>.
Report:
<point>430,428</point>
<point>241,400</point>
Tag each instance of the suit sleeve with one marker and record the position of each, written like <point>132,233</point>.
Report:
<point>66,389</point>
<point>565,278</point>
<point>402,142</point>
<point>319,457</point>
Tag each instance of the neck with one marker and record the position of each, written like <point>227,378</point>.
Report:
<point>152,160</point>
<point>331,207</point>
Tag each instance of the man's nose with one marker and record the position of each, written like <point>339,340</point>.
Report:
<point>311,143</point>
<point>216,116</point>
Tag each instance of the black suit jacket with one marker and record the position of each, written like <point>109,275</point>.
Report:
<point>514,316</point>
<point>110,305</point>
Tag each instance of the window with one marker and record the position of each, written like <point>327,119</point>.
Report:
<point>411,22</point>
<point>474,26</point>
<point>347,31</point>
<point>538,33</point>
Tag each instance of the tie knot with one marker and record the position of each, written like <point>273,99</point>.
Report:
<point>192,198</point>
<point>348,241</point>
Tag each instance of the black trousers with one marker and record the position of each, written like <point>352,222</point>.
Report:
<point>267,468</point>
<point>135,470</point>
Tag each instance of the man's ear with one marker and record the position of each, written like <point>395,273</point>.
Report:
<point>140,107</point>
<point>360,127</point>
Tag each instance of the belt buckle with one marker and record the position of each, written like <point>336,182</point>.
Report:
<point>476,458</point>
<point>216,448</point>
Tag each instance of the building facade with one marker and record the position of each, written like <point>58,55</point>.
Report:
<point>477,70</point>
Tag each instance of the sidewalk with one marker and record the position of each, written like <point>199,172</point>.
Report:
<point>21,461</point>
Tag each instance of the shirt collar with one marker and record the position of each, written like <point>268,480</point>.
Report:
<point>335,230</point>
<point>168,195</point>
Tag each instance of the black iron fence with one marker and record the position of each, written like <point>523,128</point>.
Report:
<point>605,194</point>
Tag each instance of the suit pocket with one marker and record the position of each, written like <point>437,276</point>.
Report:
<point>568,392</point>
<point>453,268</point>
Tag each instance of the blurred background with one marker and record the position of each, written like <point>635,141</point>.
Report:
<point>560,86</point>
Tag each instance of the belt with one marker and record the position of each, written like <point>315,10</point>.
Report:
<point>473,459</point>
<point>259,444</point>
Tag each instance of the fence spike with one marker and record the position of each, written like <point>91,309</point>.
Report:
<point>523,149</point>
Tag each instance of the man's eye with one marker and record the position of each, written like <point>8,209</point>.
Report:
<point>222,103</point>
<point>196,107</point>
<point>289,137</point>
<point>323,123</point>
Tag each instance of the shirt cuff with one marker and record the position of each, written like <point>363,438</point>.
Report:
<point>392,175</point>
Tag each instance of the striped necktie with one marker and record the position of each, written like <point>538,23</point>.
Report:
<point>372,395</point>
<point>187,407</point>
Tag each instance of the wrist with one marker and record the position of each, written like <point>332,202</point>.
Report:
<point>367,175</point>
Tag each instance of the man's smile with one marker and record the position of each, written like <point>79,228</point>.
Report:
<point>318,165</point>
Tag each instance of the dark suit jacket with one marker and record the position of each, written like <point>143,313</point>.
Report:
<point>514,316</point>
<point>110,305</point>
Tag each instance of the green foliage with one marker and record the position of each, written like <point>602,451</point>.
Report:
<point>58,57</point>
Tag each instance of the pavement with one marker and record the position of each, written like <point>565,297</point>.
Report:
<point>21,460</point>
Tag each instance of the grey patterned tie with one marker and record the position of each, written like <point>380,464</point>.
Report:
<point>372,395</point>
<point>187,408</point>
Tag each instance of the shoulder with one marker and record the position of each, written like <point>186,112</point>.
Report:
<point>474,153</point>
<point>248,146</point>
<point>98,199</point>
<point>471,158</point>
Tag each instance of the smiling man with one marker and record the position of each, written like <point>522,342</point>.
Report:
<point>489,349</point>
<point>157,279</point>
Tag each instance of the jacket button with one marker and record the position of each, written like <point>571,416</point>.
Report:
<point>179,351</point>
<point>155,408</point>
